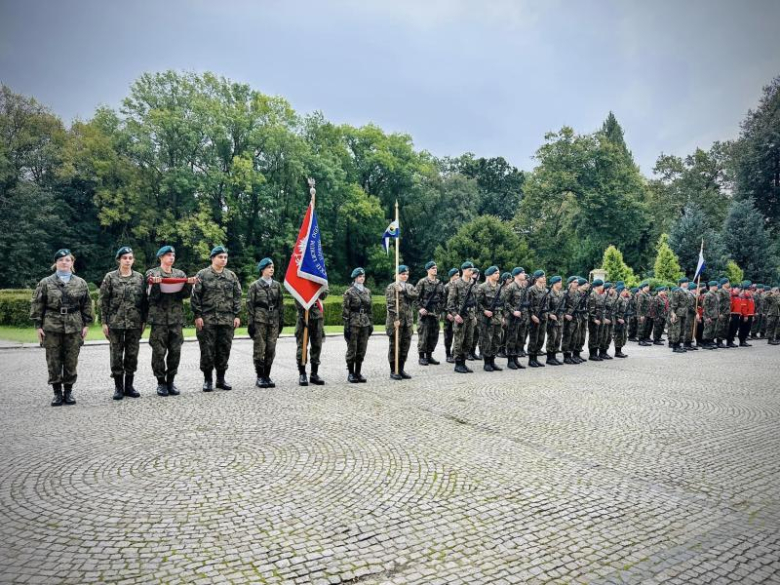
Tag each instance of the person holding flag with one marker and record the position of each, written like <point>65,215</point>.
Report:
<point>265,320</point>
<point>400,321</point>
<point>306,280</point>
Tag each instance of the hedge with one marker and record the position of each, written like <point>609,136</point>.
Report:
<point>15,309</point>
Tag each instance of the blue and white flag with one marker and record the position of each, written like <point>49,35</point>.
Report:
<point>306,276</point>
<point>702,264</point>
<point>393,232</point>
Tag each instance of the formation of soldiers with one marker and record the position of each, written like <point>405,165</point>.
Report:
<point>510,315</point>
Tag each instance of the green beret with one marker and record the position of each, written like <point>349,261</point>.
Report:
<point>598,282</point>
<point>581,281</point>
<point>122,251</point>
<point>555,279</point>
<point>643,284</point>
<point>357,272</point>
<point>660,289</point>
<point>767,287</point>
<point>61,253</point>
<point>571,279</point>
<point>491,270</point>
<point>675,288</point>
<point>691,286</point>
<point>402,268</point>
<point>712,283</point>
<point>607,285</point>
<point>264,263</point>
<point>452,272</point>
<point>538,273</point>
<point>746,283</point>
<point>724,280</point>
<point>620,287</point>
<point>737,285</point>
<point>466,265</point>
<point>517,270</point>
<point>682,280</point>
<point>216,250</point>
<point>620,283</point>
<point>165,250</point>
<point>634,289</point>
<point>505,276</point>
<point>429,265</point>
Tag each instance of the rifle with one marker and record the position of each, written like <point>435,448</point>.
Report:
<point>466,298</point>
<point>543,308</point>
<point>495,300</point>
<point>431,297</point>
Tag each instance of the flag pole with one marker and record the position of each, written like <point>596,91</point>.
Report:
<point>397,280</point>
<point>304,352</point>
<point>696,306</point>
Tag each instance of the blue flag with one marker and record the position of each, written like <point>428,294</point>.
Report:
<point>393,232</point>
<point>702,264</point>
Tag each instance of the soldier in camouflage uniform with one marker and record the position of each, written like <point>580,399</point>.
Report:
<point>461,305</point>
<point>473,355</point>
<point>644,320</point>
<point>61,310</point>
<point>711,315</point>
<point>265,320</point>
<point>757,290</point>
<point>399,323</point>
<point>316,337</point>
<point>690,317</point>
<point>724,295</point>
<point>453,274</point>
<point>620,327</point>
<point>504,281</point>
<point>515,314</point>
<point>631,318</point>
<point>430,300</point>
<point>660,312</point>
<point>581,316</point>
<point>123,310</point>
<point>766,302</point>
<point>357,315</point>
<point>607,324</point>
<point>537,308</point>
<point>489,317</point>
<point>569,333</point>
<point>166,316</point>
<point>678,309</point>
<point>216,303</point>
<point>773,316</point>
<point>596,302</point>
<point>556,299</point>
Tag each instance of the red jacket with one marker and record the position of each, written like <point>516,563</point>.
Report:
<point>748,304</point>
<point>736,303</point>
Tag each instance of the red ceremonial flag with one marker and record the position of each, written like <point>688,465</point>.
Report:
<point>306,275</point>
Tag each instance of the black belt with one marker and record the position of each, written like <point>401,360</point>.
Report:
<point>67,310</point>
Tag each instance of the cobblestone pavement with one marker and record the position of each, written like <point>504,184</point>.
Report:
<point>660,468</point>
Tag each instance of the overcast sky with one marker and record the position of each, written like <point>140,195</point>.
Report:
<point>458,75</point>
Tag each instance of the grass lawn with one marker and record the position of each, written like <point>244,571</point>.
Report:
<point>27,334</point>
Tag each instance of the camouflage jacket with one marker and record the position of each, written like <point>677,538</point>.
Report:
<point>314,310</point>
<point>216,297</point>
<point>596,306</point>
<point>515,300</point>
<point>724,305</point>
<point>678,303</point>
<point>166,308</point>
<point>642,303</point>
<point>538,302</point>
<point>406,302</point>
<point>712,305</point>
<point>462,296</point>
<point>557,303</point>
<point>265,303</point>
<point>621,307</point>
<point>430,296</point>
<point>58,307</point>
<point>609,307</point>
<point>489,299</point>
<point>123,303</point>
<point>631,307</point>
<point>356,310</point>
<point>772,304</point>
<point>659,307</point>
<point>572,300</point>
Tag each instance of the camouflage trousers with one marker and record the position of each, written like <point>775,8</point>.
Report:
<point>264,347</point>
<point>722,331</point>
<point>475,338</point>
<point>594,335</point>
<point>620,335</point>
<point>316,337</point>
<point>427,334</point>
<point>710,329</point>
<point>489,337</point>
<point>687,333</point>
<point>463,336</point>
<point>515,335</point>
<point>554,332</point>
<point>658,328</point>
<point>447,336</point>
<point>569,335</point>
<point>357,343</point>
<point>605,335</point>
<point>582,333</point>
<point>675,328</point>
<point>62,356</point>
<point>756,327</point>
<point>536,336</point>
<point>166,342</point>
<point>772,329</point>
<point>124,350</point>
<point>633,327</point>
<point>215,343</point>
<point>404,332</point>
<point>645,328</point>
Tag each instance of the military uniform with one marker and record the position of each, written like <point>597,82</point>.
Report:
<point>569,333</point>
<point>596,302</point>
<point>620,330</point>
<point>632,322</point>
<point>660,310</point>
<point>514,298</point>
<point>357,316</point>
<point>462,301</point>
<point>265,320</point>
<point>216,298</point>
<point>447,325</point>
<point>123,308</point>
<point>62,310</point>
<point>690,319</point>
<point>607,324</point>
<point>644,320</point>
<point>537,307</point>
<point>678,308</point>
<point>405,314</point>
<point>316,337</point>
<point>166,317</point>
<point>581,316</point>
<point>724,296</point>
<point>773,317</point>
<point>489,299</point>
<point>711,316</point>
<point>431,297</point>
<point>556,300</point>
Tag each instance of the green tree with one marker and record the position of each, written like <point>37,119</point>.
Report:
<point>749,243</point>
<point>667,266</point>
<point>500,184</point>
<point>616,267</point>
<point>734,272</point>
<point>685,239</point>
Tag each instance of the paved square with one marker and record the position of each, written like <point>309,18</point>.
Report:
<point>656,469</point>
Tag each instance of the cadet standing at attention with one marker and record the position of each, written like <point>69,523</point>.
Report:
<point>595,319</point>
<point>514,313</point>
<point>453,274</point>
<point>216,303</point>
<point>265,320</point>
<point>489,318</point>
<point>620,330</point>
<point>711,315</point>
<point>430,300</point>
<point>399,325</point>
<point>123,309</point>
<point>61,310</point>
<point>555,301</point>
<point>569,334</point>
<point>537,308</point>
<point>584,292</point>
<point>166,316</point>
<point>316,337</point>
<point>358,324</point>
<point>461,305</point>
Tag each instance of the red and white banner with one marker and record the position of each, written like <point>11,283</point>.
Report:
<point>306,276</point>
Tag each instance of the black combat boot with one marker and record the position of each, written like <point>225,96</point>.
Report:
<point>487,366</point>
<point>359,372</point>
<point>208,381</point>
<point>619,353</point>
<point>351,378</point>
<point>268,379</point>
<point>533,362</point>
<point>172,389</point>
<point>495,367</point>
<point>162,387</point>
<point>423,361</point>
<point>731,345</point>
<point>57,400</point>
<point>432,361</point>
<point>568,360</point>
<point>658,342</point>
<point>450,357</point>
<point>720,343</point>
<point>222,384</point>
<point>68,396</point>
<point>594,356</point>
<point>260,371</point>
<point>129,389</point>
<point>119,388</point>
<point>644,343</point>
<point>393,375</point>
<point>460,366</point>
<point>302,379</point>
<point>314,378</point>
<point>511,363</point>
<point>404,375</point>
<point>501,353</point>
<point>517,363</point>
<point>604,354</point>
<point>551,361</point>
